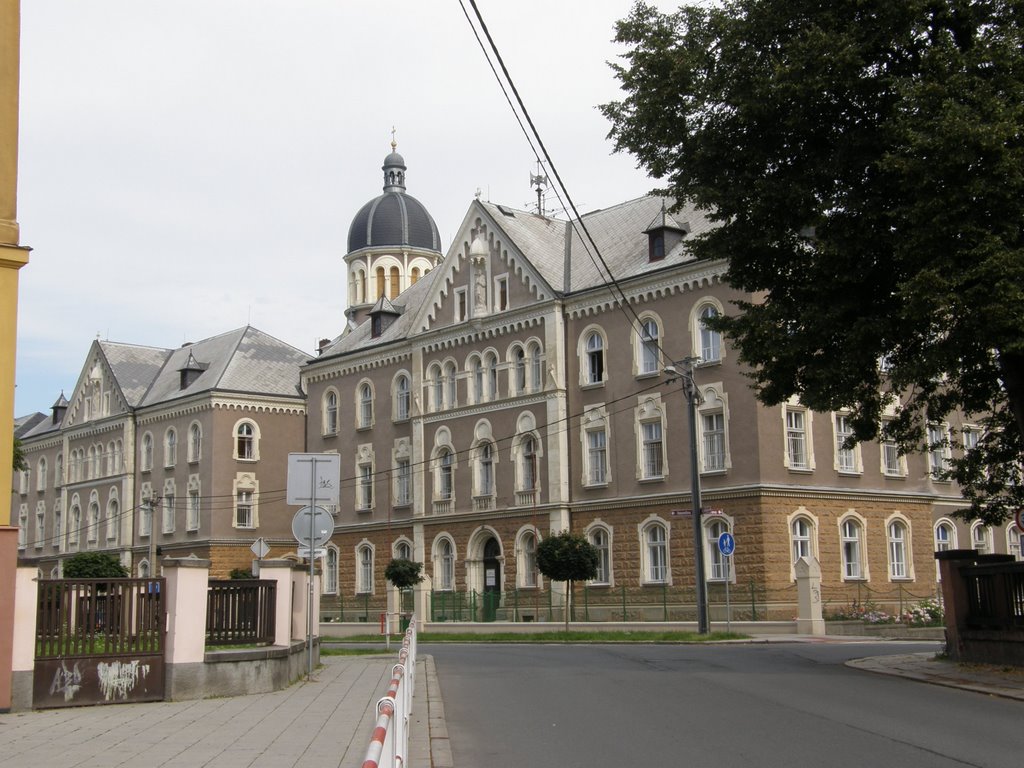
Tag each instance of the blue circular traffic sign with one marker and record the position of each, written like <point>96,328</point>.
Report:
<point>726,544</point>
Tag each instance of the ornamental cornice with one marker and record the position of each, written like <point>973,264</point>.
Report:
<point>645,289</point>
<point>92,428</point>
<point>357,362</point>
<point>475,330</point>
<point>175,410</point>
<point>489,407</point>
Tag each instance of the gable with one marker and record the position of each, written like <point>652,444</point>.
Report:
<point>487,270</point>
<point>96,395</point>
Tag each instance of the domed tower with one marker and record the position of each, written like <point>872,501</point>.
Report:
<point>392,243</point>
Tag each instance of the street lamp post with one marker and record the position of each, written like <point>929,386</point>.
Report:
<point>692,400</point>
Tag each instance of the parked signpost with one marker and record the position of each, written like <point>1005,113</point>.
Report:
<point>312,478</point>
<point>727,545</point>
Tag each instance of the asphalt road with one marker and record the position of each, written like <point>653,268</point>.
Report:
<point>767,705</point>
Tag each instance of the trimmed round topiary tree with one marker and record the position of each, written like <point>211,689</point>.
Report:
<point>567,557</point>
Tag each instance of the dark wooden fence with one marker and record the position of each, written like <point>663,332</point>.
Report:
<point>995,595</point>
<point>241,612</point>
<point>99,617</point>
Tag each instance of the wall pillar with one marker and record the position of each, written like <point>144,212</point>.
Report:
<point>280,571</point>
<point>26,605</point>
<point>809,620</point>
<point>187,582</point>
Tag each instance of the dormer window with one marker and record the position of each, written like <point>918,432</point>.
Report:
<point>656,245</point>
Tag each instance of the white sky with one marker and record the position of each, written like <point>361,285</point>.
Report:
<point>189,167</point>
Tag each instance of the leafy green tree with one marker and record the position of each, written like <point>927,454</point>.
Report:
<point>20,464</point>
<point>94,565</point>
<point>403,573</point>
<point>864,163</point>
<point>567,557</point>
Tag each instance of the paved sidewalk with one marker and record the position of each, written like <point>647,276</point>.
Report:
<point>1006,682</point>
<point>325,722</point>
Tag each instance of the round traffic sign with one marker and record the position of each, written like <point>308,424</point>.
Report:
<point>726,544</point>
<point>315,521</point>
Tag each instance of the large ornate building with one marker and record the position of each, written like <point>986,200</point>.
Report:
<point>484,398</point>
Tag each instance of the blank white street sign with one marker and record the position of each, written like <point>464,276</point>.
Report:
<point>313,476</point>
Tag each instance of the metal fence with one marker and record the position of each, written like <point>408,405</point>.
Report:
<point>99,617</point>
<point>241,612</point>
<point>389,744</point>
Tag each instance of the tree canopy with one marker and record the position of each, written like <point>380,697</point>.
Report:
<point>864,163</point>
<point>568,557</point>
<point>94,565</point>
<point>403,573</point>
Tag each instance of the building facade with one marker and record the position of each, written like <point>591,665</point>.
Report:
<point>482,399</point>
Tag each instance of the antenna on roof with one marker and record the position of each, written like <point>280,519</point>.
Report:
<point>539,182</point>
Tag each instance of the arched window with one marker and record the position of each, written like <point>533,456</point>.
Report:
<point>594,358</point>
<point>601,540</point>
<point>1015,542</point>
<point>245,441</point>
<point>898,546</point>
<point>403,551</point>
<point>364,565</point>
<point>710,340</point>
<point>331,413</point>
<point>58,471</point>
<point>536,367</point>
<point>444,565</point>
<point>528,573</point>
<point>195,443</point>
<point>655,553</point>
<point>402,397</point>
<point>716,564</point>
<point>93,523</point>
<point>485,470</point>
<point>491,363</point>
<point>381,281</point>
<point>800,532</point>
<point>113,516</point>
<point>437,387</point>
<point>445,475</point>
<point>395,287</point>
<point>647,349</point>
<point>528,465</point>
<point>331,571</point>
<point>414,276</point>
<point>981,538</point>
<point>852,539</point>
<point>365,406</point>
<point>170,448</point>
<point>41,474</point>
<point>519,370</point>
<point>451,394</point>
<point>477,368</point>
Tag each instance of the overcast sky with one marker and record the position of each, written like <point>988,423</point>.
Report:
<point>190,167</point>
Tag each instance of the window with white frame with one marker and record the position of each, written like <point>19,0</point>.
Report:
<point>24,477</point>
<point>74,526</point>
<point>22,526</point>
<point>648,351</point>
<point>330,583</point>
<point>246,441</point>
<point>40,524</point>
<point>528,464</point>
<point>851,535</point>
<point>92,523</point>
<point>41,474</point>
<point>364,569</point>
<point>893,462</point>
<point>403,482</point>
<point>491,366</point>
<point>528,573</point>
<point>652,451</point>
<point>436,383</point>
<point>451,386</point>
<point>945,536</point>
<point>168,509</point>
<point>444,565</point>
<point>403,550</point>
<point>655,549</point>
<point>170,448</point>
<point>330,412</point>
<point>595,436</point>
<point>600,539</point>
<point>797,438</point>
<point>593,361</point>
<point>246,489</point>
<point>899,542</point>
<point>847,452</point>
<point>536,366</point>
<point>145,459</point>
<point>801,537</point>
<point>500,293</point>
<point>971,434</point>
<point>476,368</point>
<point>365,406</point>
<point>461,305</point>
<point>710,340</point>
<point>113,519</point>
<point>195,443</point>
<point>716,565</point>
<point>518,383</point>
<point>146,513</point>
<point>365,500</point>
<point>713,432</point>
<point>938,450</point>
<point>58,471</point>
<point>403,398</point>
<point>485,470</point>
<point>445,487</point>
<point>192,513</point>
<point>981,538</point>
<point>58,525</point>
<point>1014,542</point>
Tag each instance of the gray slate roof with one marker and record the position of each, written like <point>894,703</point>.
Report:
<point>134,367</point>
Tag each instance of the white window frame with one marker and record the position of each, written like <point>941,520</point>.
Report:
<point>403,396</point>
<point>40,532</point>
<point>847,461</point>
<point>717,567</point>
<point>1014,542</point>
<point>713,402</point>
<point>938,457</point>
<point>647,338</point>
<point>605,573</point>
<point>595,421</point>
<point>330,583</point>
<point>330,411</point>
<point>535,354</point>
<point>593,356</point>
<point>797,430</point>
<point>249,439</point>
<point>113,517</point>
<point>707,347</point>
<point>364,563</point>
<point>444,559</point>
<point>853,568</point>
<point>193,511</point>
<point>899,548</point>
<point>246,495</point>
<point>528,575</point>
<point>167,507</point>
<point>195,442</point>
<point>170,447</point>
<point>502,299</point>
<point>461,308</point>
<point>41,470</point>
<point>364,405</point>
<point>145,456</point>
<point>981,538</point>
<point>655,553</point>
<point>801,543</point>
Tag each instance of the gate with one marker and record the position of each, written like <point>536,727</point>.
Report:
<point>99,641</point>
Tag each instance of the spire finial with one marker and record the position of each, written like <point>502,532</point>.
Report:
<point>394,144</point>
